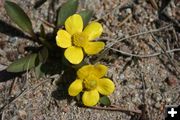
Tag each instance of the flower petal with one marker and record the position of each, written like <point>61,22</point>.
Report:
<point>90,98</point>
<point>84,71</point>
<point>75,88</point>
<point>97,70</point>
<point>93,30</point>
<point>74,54</point>
<point>100,70</point>
<point>93,47</point>
<point>74,24</point>
<point>105,86</point>
<point>63,39</point>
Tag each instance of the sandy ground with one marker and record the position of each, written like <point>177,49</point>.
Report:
<point>146,78</point>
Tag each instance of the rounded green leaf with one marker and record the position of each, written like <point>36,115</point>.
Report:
<point>19,17</point>
<point>67,9</point>
<point>86,16</point>
<point>23,64</point>
<point>105,101</point>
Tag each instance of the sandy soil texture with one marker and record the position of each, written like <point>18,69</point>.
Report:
<point>142,52</point>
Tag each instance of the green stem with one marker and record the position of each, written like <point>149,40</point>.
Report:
<point>46,43</point>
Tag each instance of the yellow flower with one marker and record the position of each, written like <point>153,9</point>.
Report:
<point>91,81</point>
<point>75,39</point>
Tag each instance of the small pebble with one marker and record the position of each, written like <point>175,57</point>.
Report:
<point>73,103</point>
<point>171,80</point>
<point>157,97</point>
<point>120,34</point>
<point>2,43</point>
<point>157,105</point>
<point>2,53</point>
<point>2,67</point>
<point>21,48</point>
<point>1,87</point>
<point>169,11</point>
<point>65,109</point>
<point>22,114</point>
<point>151,19</point>
<point>132,86</point>
<point>13,39</point>
<point>128,11</point>
<point>168,100</point>
<point>121,77</point>
<point>110,72</point>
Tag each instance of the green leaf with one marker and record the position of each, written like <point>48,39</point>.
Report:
<point>105,101</point>
<point>43,55</point>
<point>78,97</point>
<point>23,64</point>
<point>19,17</point>
<point>86,16</point>
<point>42,31</point>
<point>67,9</point>
<point>38,71</point>
<point>46,43</point>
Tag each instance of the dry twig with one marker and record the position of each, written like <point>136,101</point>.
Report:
<point>46,22</point>
<point>116,109</point>
<point>142,33</point>
<point>24,92</point>
<point>145,56</point>
<point>125,20</point>
<point>154,4</point>
<point>114,41</point>
<point>168,56</point>
<point>145,113</point>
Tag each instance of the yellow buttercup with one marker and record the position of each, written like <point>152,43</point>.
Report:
<point>91,81</point>
<point>76,40</point>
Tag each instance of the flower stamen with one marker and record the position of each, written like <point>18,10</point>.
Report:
<point>90,83</point>
<point>79,39</point>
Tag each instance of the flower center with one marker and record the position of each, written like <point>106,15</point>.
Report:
<point>79,39</point>
<point>90,83</point>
